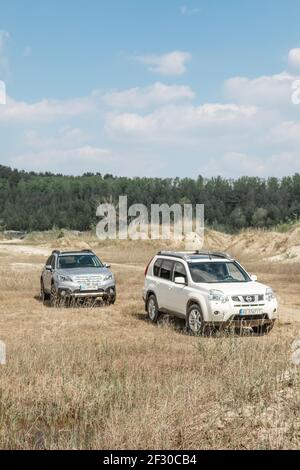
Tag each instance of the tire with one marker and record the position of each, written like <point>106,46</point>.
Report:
<point>113,299</point>
<point>53,297</point>
<point>152,309</point>
<point>263,329</point>
<point>194,321</point>
<point>44,295</point>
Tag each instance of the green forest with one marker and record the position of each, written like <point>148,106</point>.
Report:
<point>40,201</point>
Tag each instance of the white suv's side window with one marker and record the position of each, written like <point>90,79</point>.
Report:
<point>156,267</point>
<point>166,269</point>
<point>179,271</point>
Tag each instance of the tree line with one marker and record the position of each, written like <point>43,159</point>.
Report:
<point>40,201</point>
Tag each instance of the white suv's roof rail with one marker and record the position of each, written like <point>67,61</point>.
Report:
<point>188,254</point>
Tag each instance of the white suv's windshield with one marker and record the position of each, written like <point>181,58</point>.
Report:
<point>79,261</point>
<point>217,272</point>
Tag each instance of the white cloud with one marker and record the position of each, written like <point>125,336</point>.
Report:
<point>45,110</point>
<point>173,63</point>
<point>72,160</point>
<point>175,122</point>
<point>2,92</point>
<point>66,137</point>
<point>4,37</point>
<point>233,164</point>
<point>294,57</point>
<point>154,95</point>
<point>185,10</point>
<point>271,91</point>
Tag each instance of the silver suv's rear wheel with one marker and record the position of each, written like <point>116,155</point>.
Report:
<point>194,320</point>
<point>44,295</point>
<point>152,308</point>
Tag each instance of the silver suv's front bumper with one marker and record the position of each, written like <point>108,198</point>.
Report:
<point>106,290</point>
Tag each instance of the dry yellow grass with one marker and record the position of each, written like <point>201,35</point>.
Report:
<point>105,378</point>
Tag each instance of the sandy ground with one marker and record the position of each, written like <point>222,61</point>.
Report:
<point>107,378</point>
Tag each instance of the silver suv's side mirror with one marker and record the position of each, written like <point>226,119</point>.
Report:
<point>180,281</point>
<point>107,265</point>
<point>48,267</point>
<point>253,277</point>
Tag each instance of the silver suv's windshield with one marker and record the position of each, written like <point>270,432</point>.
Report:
<point>218,272</point>
<point>79,261</point>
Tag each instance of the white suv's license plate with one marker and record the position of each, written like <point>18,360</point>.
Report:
<point>250,311</point>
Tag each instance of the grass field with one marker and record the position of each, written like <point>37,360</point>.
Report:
<point>90,378</point>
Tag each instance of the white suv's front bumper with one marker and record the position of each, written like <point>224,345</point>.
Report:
<point>229,312</point>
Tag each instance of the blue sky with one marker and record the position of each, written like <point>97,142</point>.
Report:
<point>160,88</point>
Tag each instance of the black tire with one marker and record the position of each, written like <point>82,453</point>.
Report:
<point>53,297</point>
<point>195,324</point>
<point>44,295</point>
<point>263,329</point>
<point>152,309</point>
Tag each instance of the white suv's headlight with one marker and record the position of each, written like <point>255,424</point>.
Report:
<point>64,278</point>
<point>108,277</point>
<point>270,295</point>
<point>217,296</point>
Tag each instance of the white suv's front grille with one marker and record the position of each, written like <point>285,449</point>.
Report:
<point>251,300</point>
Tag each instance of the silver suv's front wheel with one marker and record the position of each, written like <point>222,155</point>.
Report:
<point>194,320</point>
<point>53,296</point>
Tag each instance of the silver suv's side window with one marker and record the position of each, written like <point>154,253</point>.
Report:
<point>53,262</point>
<point>179,271</point>
<point>156,267</point>
<point>166,269</point>
<point>49,261</point>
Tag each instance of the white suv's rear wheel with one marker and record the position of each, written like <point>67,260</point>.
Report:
<point>194,320</point>
<point>152,308</point>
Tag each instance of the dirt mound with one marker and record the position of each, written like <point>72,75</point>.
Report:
<point>269,245</point>
<point>69,244</point>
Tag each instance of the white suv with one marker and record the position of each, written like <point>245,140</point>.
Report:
<point>207,289</point>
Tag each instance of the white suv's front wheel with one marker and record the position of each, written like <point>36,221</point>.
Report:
<point>152,308</point>
<point>194,320</point>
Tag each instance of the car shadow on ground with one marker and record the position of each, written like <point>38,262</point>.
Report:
<point>73,304</point>
<point>179,327</point>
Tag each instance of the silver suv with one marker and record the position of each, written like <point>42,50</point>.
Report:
<point>207,289</point>
<point>75,275</point>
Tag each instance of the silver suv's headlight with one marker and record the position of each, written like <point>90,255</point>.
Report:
<point>62,278</point>
<point>217,296</point>
<point>270,295</point>
<point>108,277</point>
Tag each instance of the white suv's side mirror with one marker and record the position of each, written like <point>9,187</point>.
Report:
<point>180,281</point>
<point>48,267</point>
<point>253,277</point>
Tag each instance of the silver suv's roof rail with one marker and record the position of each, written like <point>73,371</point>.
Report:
<point>58,252</point>
<point>188,254</point>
